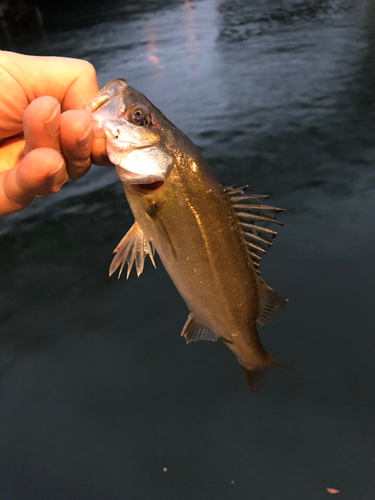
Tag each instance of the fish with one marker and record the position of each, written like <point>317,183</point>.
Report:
<point>208,237</point>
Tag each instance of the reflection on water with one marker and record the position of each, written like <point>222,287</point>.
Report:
<point>94,376</point>
<point>190,28</point>
<point>152,49</point>
<point>242,19</point>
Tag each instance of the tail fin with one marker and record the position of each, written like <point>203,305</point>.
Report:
<point>254,377</point>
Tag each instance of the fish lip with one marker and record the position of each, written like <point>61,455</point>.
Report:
<point>120,146</point>
<point>134,179</point>
<point>130,146</point>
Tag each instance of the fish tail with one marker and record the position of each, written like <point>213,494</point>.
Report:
<point>256,375</point>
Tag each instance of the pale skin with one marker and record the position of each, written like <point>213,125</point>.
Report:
<point>46,136</point>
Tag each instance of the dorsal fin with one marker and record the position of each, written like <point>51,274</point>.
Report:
<point>269,302</point>
<point>250,210</point>
<point>133,247</point>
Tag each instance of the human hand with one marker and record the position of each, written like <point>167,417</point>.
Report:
<point>46,137</point>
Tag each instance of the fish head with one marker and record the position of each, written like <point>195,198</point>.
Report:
<point>135,132</point>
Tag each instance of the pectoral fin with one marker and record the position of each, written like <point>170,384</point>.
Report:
<point>133,247</point>
<point>193,330</point>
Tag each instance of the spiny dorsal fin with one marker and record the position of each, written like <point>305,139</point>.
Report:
<point>193,330</point>
<point>250,210</point>
<point>133,247</point>
<point>269,302</point>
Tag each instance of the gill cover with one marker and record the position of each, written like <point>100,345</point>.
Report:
<point>133,142</point>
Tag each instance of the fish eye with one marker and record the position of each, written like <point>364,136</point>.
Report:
<point>138,115</point>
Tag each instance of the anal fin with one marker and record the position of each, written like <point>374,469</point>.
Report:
<point>193,330</point>
<point>133,248</point>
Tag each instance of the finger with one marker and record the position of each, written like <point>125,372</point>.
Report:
<point>76,139</point>
<point>82,88</point>
<point>41,130</point>
<point>99,152</point>
<point>71,81</point>
<point>41,124</point>
<point>19,185</point>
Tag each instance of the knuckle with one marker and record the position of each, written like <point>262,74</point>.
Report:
<point>88,68</point>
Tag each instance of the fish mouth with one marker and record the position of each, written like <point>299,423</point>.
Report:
<point>148,188</point>
<point>145,182</point>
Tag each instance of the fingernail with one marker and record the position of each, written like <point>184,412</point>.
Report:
<point>83,141</point>
<point>52,125</point>
<point>54,172</point>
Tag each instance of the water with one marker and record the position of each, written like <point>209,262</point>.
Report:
<point>98,392</point>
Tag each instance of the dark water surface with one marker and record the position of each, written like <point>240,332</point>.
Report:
<point>98,392</point>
